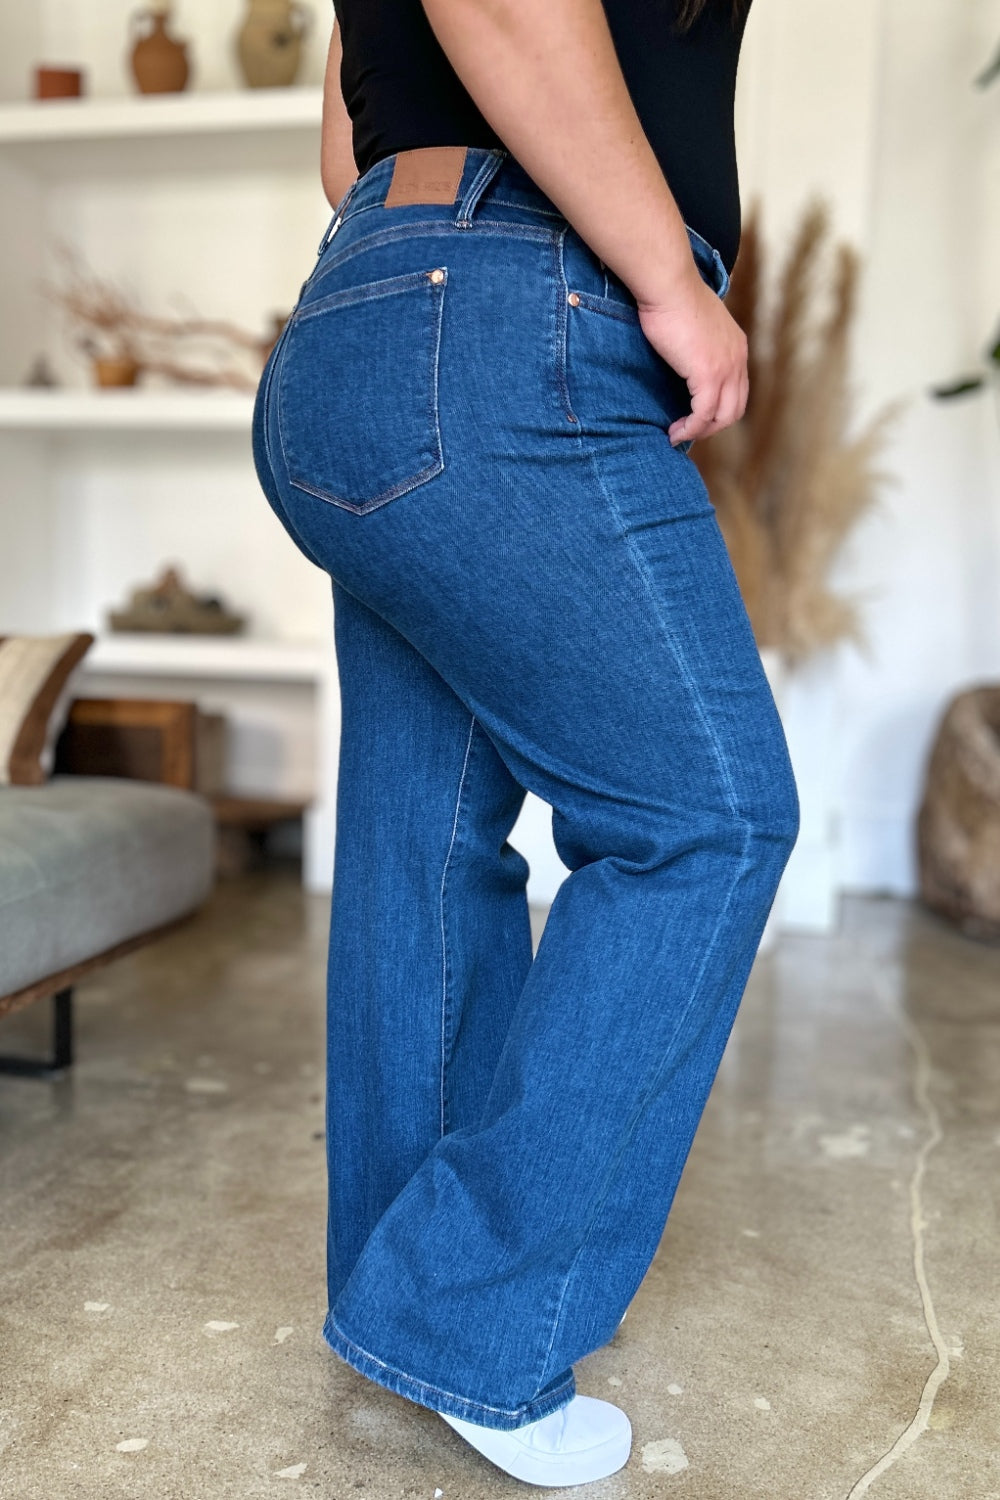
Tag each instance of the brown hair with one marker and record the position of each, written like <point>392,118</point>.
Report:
<point>688,11</point>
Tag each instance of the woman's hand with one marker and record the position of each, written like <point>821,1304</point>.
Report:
<point>699,338</point>
<point>547,78</point>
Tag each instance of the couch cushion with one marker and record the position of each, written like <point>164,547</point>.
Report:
<point>87,862</point>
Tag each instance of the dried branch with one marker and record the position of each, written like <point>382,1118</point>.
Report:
<point>190,375</point>
<point>190,350</point>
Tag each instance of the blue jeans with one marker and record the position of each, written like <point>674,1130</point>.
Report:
<point>465,426</point>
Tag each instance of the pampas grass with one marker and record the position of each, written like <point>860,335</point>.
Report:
<point>787,481</point>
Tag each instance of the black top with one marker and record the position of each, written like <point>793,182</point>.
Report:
<point>401,91</point>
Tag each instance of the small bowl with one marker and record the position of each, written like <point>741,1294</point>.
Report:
<point>111,373</point>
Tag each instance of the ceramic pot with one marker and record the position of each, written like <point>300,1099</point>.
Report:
<point>58,83</point>
<point>269,43</point>
<point>159,61</point>
<point>111,373</point>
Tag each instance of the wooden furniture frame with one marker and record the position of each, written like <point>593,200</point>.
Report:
<point>138,738</point>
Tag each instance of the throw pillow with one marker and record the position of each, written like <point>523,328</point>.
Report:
<point>35,696</point>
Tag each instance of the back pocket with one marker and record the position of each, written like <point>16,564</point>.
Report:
<point>358,417</point>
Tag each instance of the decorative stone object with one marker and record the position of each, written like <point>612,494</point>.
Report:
<point>958,825</point>
<point>169,606</point>
<point>269,44</point>
<point>159,61</point>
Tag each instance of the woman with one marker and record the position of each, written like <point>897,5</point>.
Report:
<point>477,421</point>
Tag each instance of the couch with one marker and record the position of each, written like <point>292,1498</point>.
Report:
<point>110,852</point>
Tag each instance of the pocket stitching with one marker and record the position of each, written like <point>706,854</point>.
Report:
<point>368,291</point>
<point>610,307</point>
<point>353,296</point>
<point>422,229</point>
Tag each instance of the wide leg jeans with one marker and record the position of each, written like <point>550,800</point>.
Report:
<point>465,426</point>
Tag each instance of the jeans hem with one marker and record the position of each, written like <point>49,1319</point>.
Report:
<point>505,1419</point>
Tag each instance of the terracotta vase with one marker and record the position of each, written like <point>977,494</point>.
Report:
<point>159,61</point>
<point>269,43</point>
<point>112,372</point>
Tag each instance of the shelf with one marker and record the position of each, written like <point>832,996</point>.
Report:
<point>242,111</point>
<point>226,658</point>
<point>125,411</point>
<point>258,129</point>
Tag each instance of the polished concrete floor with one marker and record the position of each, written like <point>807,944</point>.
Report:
<point>822,1319</point>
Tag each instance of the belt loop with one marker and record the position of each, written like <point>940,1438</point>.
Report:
<point>338,214</point>
<point>479,184</point>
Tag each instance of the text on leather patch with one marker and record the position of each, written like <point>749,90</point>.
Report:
<point>426,174</point>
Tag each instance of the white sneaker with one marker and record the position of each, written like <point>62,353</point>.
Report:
<point>585,1439</point>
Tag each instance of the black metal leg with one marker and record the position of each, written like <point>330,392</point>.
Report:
<point>62,1044</point>
<point>62,1029</point>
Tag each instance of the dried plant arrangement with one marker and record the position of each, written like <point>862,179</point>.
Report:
<point>787,480</point>
<point>112,330</point>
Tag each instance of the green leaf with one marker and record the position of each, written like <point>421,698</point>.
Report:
<point>958,388</point>
<point>991,71</point>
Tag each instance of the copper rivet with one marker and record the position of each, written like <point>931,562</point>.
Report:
<point>574,299</point>
<point>437,275</point>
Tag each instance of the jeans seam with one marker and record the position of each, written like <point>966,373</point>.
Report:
<point>265,417</point>
<point>367,291</point>
<point>562,294</point>
<point>267,442</point>
<point>726,782</point>
<point>421,228</point>
<point>437,1390</point>
<point>648,1093</point>
<point>445,972</point>
<point>533,208</point>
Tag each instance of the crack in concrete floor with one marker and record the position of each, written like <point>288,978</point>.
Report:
<point>917,1426</point>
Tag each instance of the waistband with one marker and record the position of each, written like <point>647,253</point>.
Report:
<point>466,182</point>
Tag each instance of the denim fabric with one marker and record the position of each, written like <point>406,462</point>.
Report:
<point>531,591</point>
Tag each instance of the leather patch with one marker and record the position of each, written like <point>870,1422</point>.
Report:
<point>426,174</point>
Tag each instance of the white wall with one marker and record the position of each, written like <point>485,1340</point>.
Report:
<point>868,101</point>
<point>930,559</point>
<point>871,104</point>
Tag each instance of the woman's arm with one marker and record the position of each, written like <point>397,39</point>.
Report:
<point>337,166</point>
<point>546,76</point>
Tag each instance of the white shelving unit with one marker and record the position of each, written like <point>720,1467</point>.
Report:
<point>211,198</point>
<point>274,129</point>
<point>229,657</point>
<point>247,113</point>
<point>126,410</point>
